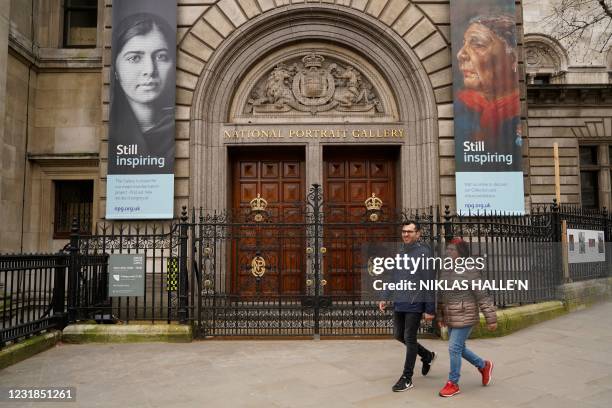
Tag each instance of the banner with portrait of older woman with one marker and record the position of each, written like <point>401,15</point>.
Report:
<point>140,178</point>
<point>487,108</point>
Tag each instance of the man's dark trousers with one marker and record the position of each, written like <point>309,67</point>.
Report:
<point>405,328</point>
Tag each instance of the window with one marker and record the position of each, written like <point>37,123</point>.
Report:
<point>589,189</point>
<point>80,23</point>
<point>541,79</point>
<point>588,156</point>
<point>72,199</point>
<point>590,166</point>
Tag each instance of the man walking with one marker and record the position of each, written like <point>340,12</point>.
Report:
<point>408,310</point>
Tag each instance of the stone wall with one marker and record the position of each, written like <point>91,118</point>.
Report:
<point>67,113</point>
<point>4,149</point>
<point>569,116</point>
<point>205,26</point>
<point>16,97</point>
<point>21,17</point>
<point>17,125</point>
<point>50,105</point>
<point>63,145</point>
<point>586,61</point>
<point>48,27</point>
<point>576,112</point>
<point>547,126</point>
<point>580,295</point>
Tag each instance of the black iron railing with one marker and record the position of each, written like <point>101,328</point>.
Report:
<point>41,292</point>
<point>266,272</point>
<point>27,290</point>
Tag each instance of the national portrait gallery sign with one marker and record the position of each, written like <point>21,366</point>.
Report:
<point>365,133</point>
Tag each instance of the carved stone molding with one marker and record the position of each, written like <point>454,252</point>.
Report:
<point>540,56</point>
<point>41,59</point>
<point>594,129</point>
<point>313,81</point>
<point>544,54</point>
<point>569,95</point>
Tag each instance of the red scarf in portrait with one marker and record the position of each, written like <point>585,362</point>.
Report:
<point>492,113</point>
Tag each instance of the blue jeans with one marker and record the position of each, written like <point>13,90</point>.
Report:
<point>457,349</point>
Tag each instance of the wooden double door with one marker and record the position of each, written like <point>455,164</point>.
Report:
<point>350,176</point>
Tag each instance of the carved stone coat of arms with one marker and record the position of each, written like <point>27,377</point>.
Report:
<point>312,85</point>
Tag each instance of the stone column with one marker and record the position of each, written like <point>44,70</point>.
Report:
<point>314,165</point>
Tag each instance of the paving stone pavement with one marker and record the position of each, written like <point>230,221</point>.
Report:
<point>566,362</point>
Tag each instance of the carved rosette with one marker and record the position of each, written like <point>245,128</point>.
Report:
<point>313,83</point>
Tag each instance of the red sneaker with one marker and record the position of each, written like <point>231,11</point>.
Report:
<point>486,372</point>
<point>449,389</point>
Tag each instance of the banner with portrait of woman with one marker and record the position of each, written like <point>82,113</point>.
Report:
<point>487,108</point>
<point>140,178</point>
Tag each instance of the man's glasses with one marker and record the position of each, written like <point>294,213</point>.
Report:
<point>408,231</point>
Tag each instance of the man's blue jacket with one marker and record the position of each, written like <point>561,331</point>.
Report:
<point>418,301</point>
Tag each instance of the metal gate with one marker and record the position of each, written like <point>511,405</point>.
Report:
<point>260,273</point>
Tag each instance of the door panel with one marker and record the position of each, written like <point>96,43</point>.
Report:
<point>278,176</point>
<point>350,177</point>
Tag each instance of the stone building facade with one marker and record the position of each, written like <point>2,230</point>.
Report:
<point>569,102</point>
<point>391,113</point>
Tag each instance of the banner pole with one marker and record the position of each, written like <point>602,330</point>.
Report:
<point>557,173</point>
<point>564,251</point>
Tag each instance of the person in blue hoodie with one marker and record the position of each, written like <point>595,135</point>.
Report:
<point>410,307</point>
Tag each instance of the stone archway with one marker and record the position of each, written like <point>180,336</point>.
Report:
<point>349,29</point>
